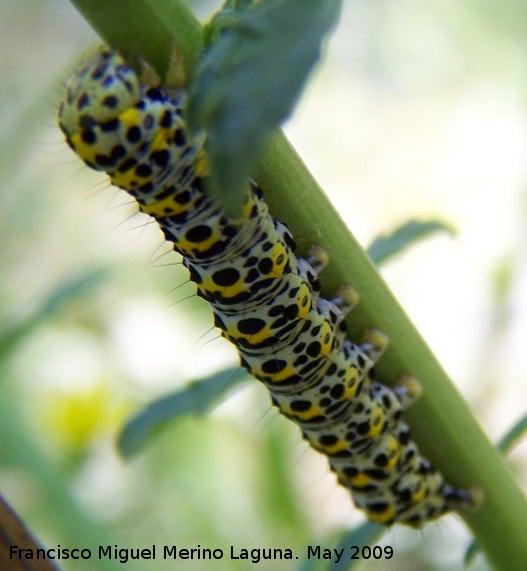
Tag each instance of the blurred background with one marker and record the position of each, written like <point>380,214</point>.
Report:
<point>416,111</point>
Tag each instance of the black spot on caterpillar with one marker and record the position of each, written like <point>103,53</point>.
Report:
<point>265,299</point>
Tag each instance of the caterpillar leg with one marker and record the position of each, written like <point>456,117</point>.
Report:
<point>374,343</point>
<point>346,299</point>
<point>408,390</point>
<point>391,482</point>
<point>423,495</point>
<point>455,499</point>
<point>337,308</point>
<point>317,258</point>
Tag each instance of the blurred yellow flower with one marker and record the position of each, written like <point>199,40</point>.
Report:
<point>74,420</point>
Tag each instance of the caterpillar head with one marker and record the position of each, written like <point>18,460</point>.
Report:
<point>98,101</point>
<point>103,87</point>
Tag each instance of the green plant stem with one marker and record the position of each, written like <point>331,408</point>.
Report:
<point>441,422</point>
<point>149,29</point>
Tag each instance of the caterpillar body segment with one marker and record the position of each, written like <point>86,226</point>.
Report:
<point>265,299</point>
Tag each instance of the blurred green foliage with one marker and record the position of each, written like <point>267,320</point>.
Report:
<point>227,479</point>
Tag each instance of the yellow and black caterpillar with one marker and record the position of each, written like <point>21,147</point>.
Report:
<point>264,298</point>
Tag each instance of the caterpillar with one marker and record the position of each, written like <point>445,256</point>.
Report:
<point>265,299</point>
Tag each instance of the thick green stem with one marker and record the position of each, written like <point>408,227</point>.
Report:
<point>441,422</point>
<point>150,29</point>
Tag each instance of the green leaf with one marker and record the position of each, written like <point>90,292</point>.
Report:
<point>512,436</point>
<point>223,19</point>
<point>195,399</point>
<point>248,81</point>
<point>63,293</point>
<point>238,5</point>
<point>471,552</point>
<point>366,534</point>
<point>387,246</point>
